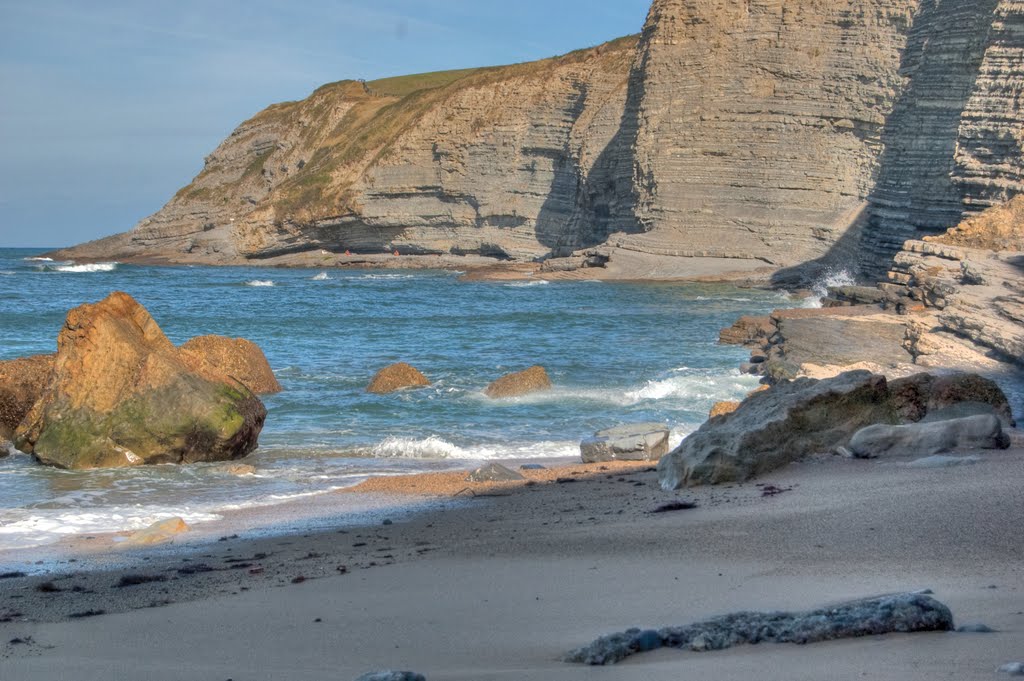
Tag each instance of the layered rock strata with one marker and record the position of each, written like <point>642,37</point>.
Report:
<point>736,137</point>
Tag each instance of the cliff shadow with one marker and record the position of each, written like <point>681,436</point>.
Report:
<point>584,209</point>
<point>914,192</point>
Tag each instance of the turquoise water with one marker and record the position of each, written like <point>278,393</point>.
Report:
<point>617,353</point>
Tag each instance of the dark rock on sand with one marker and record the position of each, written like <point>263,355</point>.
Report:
<point>120,395</point>
<point>951,395</point>
<point>21,384</point>
<point>494,472</point>
<point>214,357</point>
<point>975,628</point>
<point>634,442</point>
<point>776,427</point>
<point>1012,668</point>
<point>534,379</point>
<point>927,438</point>
<point>397,377</point>
<point>392,676</point>
<point>901,613</point>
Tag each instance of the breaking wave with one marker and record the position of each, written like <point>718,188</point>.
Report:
<point>434,447</point>
<point>829,278</point>
<point>91,267</point>
<point>260,283</point>
<point>323,276</point>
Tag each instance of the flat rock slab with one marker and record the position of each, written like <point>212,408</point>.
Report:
<point>494,472</point>
<point>939,461</point>
<point>869,617</point>
<point>927,438</point>
<point>635,442</point>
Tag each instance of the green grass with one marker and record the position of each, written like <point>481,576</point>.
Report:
<point>400,86</point>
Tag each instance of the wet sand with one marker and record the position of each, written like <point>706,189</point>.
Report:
<point>498,582</point>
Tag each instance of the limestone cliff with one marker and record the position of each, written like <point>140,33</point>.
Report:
<point>754,133</point>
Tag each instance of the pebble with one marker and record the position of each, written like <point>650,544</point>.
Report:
<point>1012,668</point>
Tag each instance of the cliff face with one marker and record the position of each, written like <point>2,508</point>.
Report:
<point>762,132</point>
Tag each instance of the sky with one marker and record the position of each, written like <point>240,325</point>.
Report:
<point>108,107</point>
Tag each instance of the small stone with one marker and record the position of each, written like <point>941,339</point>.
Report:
<point>975,628</point>
<point>532,467</point>
<point>157,533</point>
<point>392,676</point>
<point>388,521</point>
<point>494,472</point>
<point>1012,668</point>
<point>633,442</point>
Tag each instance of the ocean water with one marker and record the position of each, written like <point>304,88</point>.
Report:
<point>617,353</point>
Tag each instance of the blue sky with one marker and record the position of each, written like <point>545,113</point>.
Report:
<point>107,107</point>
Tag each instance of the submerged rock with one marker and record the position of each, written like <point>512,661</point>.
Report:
<point>214,357</point>
<point>494,472</point>
<point>930,437</point>
<point>534,379</point>
<point>21,384</point>
<point>901,613</point>
<point>397,377</point>
<point>634,442</point>
<point>120,395</point>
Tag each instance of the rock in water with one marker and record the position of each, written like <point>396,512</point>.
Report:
<point>213,357</point>
<point>392,676</point>
<point>534,379</point>
<point>494,472</point>
<point>927,438</point>
<point>901,613</point>
<point>21,383</point>
<point>120,395</point>
<point>636,442</point>
<point>775,427</point>
<point>397,377</point>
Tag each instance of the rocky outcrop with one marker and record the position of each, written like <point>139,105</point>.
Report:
<point>21,384</point>
<point>983,431</point>
<point>898,613</point>
<point>120,395</point>
<point>396,377</point>
<point>217,358</point>
<point>740,137</point>
<point>797,418</point>
<point>634,442</point>
<point>534,379</point>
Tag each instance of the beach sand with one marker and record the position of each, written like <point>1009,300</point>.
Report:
<point>500,581</point>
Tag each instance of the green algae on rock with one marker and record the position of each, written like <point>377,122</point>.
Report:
<point>121,395</point>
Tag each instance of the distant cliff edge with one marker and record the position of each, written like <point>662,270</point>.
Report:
<point>766,136</point>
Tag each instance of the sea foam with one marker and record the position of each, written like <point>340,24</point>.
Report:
<point>87,268</point>
<point>260,283</point>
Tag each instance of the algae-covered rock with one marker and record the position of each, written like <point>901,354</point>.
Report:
<point>534,379</point>
<point>120,395</point>
<point>215,357</point>
<point>397,377</point>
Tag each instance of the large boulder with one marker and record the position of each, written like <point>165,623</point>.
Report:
<point>214,357</point>
<point>806,416</point>
<point>634,442</point>
<point>21,384</point>
<point>983,431</point>
<point>120,395</point>
<point>534,379</point>
<point>775,427</point>
<point>397,377</point>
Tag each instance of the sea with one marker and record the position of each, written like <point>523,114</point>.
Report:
<point>617,353</point>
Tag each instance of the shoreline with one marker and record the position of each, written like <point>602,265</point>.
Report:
<point>526,575</point>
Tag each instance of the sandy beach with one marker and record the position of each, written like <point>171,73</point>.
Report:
<point>503,583</point>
